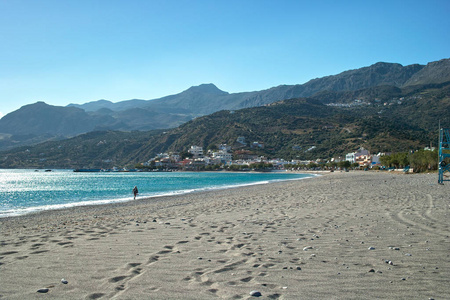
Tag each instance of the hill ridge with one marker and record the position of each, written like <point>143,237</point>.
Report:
<point>204,99</point>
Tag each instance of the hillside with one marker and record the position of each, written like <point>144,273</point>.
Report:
<point>433,72</point>
<point>207,98</point>
<point>41,118</point>
<point>302,128</point>
<point>93,149</point>
<point>40,122</point>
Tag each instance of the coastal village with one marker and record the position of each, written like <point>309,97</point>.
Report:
<point>243,159</point>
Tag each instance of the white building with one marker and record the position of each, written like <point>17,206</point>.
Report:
<point>196,151</point>
<point>351,157</point>
<point>222,156</point>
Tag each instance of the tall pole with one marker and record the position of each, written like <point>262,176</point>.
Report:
<point>440,171</point>
<point>444,152</point>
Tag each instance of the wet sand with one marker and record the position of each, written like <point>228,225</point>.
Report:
<point>356,235</point>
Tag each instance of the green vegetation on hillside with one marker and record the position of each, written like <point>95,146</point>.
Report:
<point>99,149</point>
<point>394,120</point>
<point>39,122</point>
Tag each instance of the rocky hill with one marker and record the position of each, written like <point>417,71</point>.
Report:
<point>39,122</point>
<point>301,128</point>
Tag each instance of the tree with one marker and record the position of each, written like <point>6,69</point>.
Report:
<point>333,164</point>
<point>399,159</point>
<point>344,164</point>
<point>312,165</point>
<point>424,160</point>
<point>385,160</point>
<point>261,166</point>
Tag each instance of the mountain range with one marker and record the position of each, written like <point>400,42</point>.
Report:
<point>40,122</point>
<point>299,128</point>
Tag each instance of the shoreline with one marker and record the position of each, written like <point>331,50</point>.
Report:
<point>290,239</point>
<point>38,209</point>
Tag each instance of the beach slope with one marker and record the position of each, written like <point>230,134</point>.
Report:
<point>356,235</point>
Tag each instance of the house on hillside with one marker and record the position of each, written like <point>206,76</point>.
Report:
<point>196,151</point>
<point>364,160</point>
<point>245,155</point>
<point>257,145</point>
<point>241,140</point>
<point>222,157</point>
<point>225,147</point>
<point>351,157</point>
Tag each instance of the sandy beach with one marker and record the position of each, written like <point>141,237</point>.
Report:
<point>355,235</point>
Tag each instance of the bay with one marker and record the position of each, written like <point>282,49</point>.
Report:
<point>26,191</point>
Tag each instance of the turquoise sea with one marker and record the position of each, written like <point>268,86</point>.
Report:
<point>26,191</point>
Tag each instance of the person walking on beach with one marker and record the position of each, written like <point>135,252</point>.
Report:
<point>135,192</point>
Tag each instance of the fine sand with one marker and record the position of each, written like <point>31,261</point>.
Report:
<point>355,235</point>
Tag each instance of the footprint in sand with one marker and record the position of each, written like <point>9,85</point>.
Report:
<point>36,246</point>
<point>95,296</point>
<point>133,265</point>
<point>117,279</point>
<point>65,243</point>
<point>152,259</point>
<point>9,253</point>
<point>246,279</point>
<point>38,252</point>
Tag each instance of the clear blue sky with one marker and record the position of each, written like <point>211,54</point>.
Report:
<point>76,51</point>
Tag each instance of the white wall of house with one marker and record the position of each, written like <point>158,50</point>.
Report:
<point>351,157</point>
<point>196,151</point>
<point>223,156</point>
